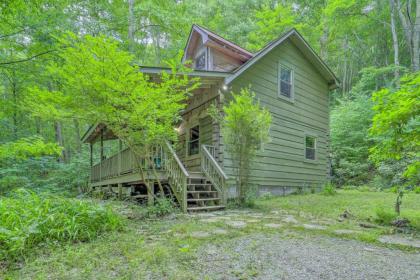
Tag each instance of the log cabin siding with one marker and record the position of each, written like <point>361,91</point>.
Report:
<point>282,161</point>
<point>196,113</point>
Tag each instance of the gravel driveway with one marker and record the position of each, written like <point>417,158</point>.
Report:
<point>265,256</point>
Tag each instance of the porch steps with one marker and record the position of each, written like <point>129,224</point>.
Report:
<point>201,194</point>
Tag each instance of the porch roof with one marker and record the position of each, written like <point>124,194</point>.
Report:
<point>94,132</point>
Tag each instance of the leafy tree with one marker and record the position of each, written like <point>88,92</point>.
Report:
<point>96,81</point>
<point>245,127</point>
<point>396,124</point>
<point>26,148</point>
<point>350,141</point>
<point>396,128</point>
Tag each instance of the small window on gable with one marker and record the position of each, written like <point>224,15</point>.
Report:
<point>310,147</point>
<point>194,141</point>
<point>200,61</point>
<point>285,82</point>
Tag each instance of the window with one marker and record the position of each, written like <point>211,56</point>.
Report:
<point>310,147</point>
<point>200,61</point>
<point>194,141</point>
<point>285,82</point>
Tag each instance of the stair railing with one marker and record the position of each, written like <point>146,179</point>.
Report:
<point>177,175</point>
<point>213,171</point>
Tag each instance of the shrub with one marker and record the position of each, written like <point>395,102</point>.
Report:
<point>329,189</point>
<point>385,217</point>
<point>266,196</point>
<point>28,219</point>
<point>9,183</point>
<point>416,190</point>
<point>162,207</point>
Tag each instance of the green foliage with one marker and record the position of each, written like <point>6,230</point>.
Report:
<point>27,220</point>
<point>350,141</point>
<point>396,125</point>
<point>11,182</point>
<point>385,217</point>
<point>416,190</point>
<point>25,148</point>
<point>162,207</point>
<point>46,174</point>
<point>271,23</point>
<point>245,127</point>
<point>329,189</point>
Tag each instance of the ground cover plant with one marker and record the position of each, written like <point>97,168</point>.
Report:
<point>172,246</point>
<point>363,205</point>
<point>28,220</point>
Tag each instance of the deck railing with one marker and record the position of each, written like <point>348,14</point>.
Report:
<point>125,162</point>
<point>213,171</point>
<point>162,157</point>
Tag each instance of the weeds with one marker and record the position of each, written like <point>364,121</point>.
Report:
<point>162,207</point>
<point>329,189</point>
<point>385,217</point>
<point>28,219</point>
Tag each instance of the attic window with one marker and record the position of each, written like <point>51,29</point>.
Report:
<point>200,61</point>
<point>285,79</point>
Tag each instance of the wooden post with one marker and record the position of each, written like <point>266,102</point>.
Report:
<point>102,144</point>
<point>150,194</point>
<point>119,156</point>
<point>102,154</point>
<point>91,154</point>
<point>120,191</point>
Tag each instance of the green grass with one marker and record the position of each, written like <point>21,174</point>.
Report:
<point>166,248</point>
<point>28,220</point>
<point>363,205</point>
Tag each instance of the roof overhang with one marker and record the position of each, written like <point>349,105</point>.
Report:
<point>209,38</point>
<point>207,78</point>
<point>303,46</point>
<point>94,132</point>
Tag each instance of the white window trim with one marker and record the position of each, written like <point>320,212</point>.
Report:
<point>315,160</point>
<point>292,79</point>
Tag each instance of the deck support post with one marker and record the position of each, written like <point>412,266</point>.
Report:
<point>150,194</point>
<point>120,196</point>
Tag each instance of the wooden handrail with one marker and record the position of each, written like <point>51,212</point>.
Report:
<point>213,171</point>
<point>213,160</point>
<point>181,166</point>
<point>177,175</point>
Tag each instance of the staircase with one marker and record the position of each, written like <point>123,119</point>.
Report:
<point>196,191</point>
<point>201,194</point>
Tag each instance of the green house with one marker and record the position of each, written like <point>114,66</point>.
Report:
<point>287,77</point>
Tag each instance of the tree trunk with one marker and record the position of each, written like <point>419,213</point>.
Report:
<point>323,43</point>
<point>416,39</point>
<point>77,136</point>
<point>131,25</point>
<point>59,139</point>
<point>405,19</point>
<point>395,42</point>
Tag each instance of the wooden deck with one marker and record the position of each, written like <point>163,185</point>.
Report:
<point>193,190</point>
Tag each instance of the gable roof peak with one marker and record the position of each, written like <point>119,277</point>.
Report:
<point>297,39</point>
<point>210,38</point>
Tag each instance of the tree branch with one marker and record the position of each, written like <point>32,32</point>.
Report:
<point>26,59</point>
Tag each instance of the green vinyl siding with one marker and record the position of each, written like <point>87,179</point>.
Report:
<point>282,161</point>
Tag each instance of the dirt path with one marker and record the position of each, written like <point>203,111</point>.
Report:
<point>271,256</point>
